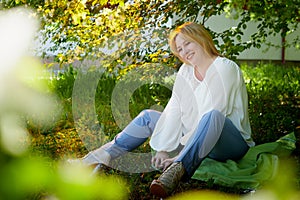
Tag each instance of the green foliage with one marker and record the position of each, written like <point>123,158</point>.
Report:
<point>34,177</point>
<point>273,100</point>
<point>26,171</point>
<point>137,32</point>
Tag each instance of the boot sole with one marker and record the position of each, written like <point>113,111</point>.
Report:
<point>157,189</point>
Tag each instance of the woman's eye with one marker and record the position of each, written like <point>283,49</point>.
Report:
<point>186,43</point>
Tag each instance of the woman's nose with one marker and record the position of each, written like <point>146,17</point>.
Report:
<point>184,50</point>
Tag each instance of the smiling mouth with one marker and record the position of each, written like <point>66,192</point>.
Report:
<point>189,56</point>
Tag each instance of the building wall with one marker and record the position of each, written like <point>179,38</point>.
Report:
<point>221,22</point>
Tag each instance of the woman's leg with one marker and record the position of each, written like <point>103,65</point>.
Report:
<point>216,137</point>
<point>134,134</point>
<point>230,145</point>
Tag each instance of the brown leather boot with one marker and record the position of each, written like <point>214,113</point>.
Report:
<point>168,180</point>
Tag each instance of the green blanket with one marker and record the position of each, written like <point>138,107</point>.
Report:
<point>257,166</point>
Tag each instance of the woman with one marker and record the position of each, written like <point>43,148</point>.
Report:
<point>206,115</point>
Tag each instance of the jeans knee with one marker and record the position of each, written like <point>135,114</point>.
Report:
<point>214,114</point>
<point>145,112</point>
<point>215,117</point>
<point>147,116</point>
<point>143,118</point>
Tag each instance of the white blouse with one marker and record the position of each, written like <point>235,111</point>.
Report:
<point>222,89</point>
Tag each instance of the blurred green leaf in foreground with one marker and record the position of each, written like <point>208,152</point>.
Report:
<point>25,96</point>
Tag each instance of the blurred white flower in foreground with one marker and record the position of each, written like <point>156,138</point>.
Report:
<point>22,93</point>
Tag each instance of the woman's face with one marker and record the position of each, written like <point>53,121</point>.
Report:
<point>189,52</point>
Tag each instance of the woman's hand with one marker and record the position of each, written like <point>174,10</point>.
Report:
<point>159,158</point>
<point>167,162</point>
<point>162,160</point>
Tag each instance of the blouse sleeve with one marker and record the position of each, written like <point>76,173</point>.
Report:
<point>168,130</point>
<point>167,133</point>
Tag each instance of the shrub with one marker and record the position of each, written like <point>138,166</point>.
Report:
<point>273,100</point>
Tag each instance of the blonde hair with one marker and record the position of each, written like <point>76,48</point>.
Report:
<point>193,32</point>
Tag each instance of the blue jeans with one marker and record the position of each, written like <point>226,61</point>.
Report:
<point>216,137</point>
